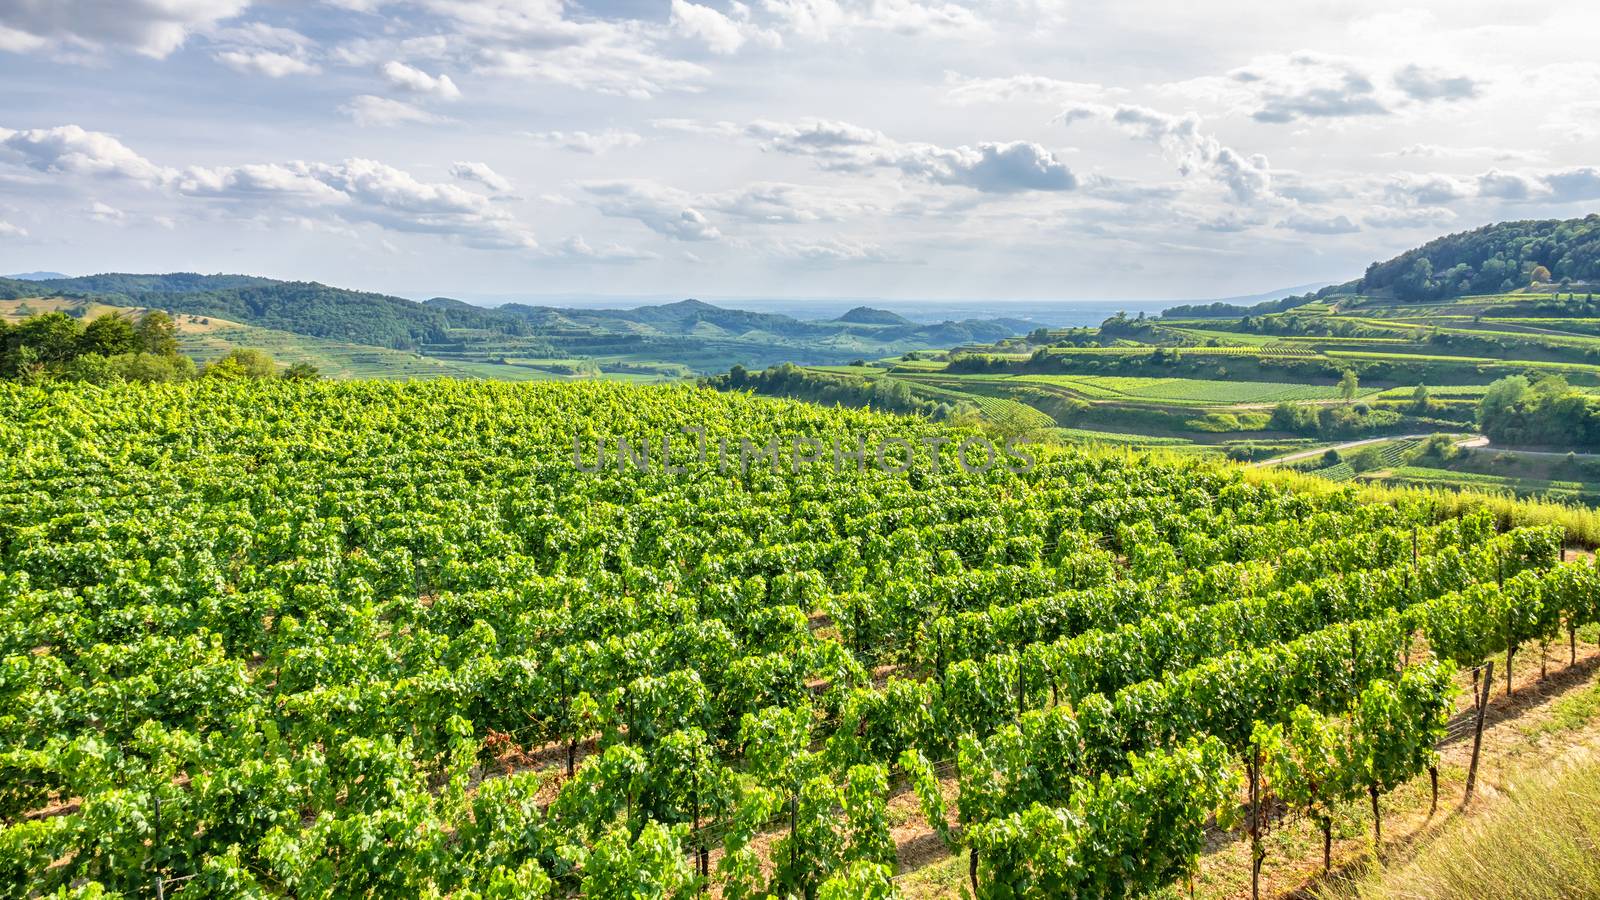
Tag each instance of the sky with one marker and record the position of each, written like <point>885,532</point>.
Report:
<point>939,149</point>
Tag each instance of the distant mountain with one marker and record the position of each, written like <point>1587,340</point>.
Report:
<point>700,335</point>
<point>34,276</point>
<point>301,307</point>
<point>866,315</point>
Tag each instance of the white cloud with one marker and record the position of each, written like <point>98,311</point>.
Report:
<point>988,167</point>
<point>1309,85</point>
<point>1442,151</point>
<point>151,27</point>
<point>1311,224</point>
<point>1428,85</point>
<point>834,252</point>
<point>482,174</point>
<point>381,112</point>
<point>577,249</point>
<point>1247,178</point>
<point>773,203</point>
<point>266,62</point>
<point>105,212</point>
<point>720,33</point>
<point>1431,217</point>
<point>585,142</point>
<point>417,81</point>
<point>1572,185</point>
<point>8,230</point>
<point>1425,190</point>
<point>663,210</point>
<point>721,129</point>
<point>1033,88</point>
<point>607,64</point>
<point>353,192</point>
<point>824,19</point>
<point>70,149</point>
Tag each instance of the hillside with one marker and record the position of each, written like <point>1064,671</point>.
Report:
<point>866,315</point>
<point>688,336</point>
<point>392,640</point>
<point>1343,382</point>
<point>1492,259</point>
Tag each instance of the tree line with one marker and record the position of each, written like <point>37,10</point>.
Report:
<point>114,347</point>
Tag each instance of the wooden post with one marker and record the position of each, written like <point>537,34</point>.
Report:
<point>1256,853</point>
<point>1510,652</point>
<point>1433,781</point>
<point>1377,821</point>
<point>161,888</point>
<point>1477,730</point>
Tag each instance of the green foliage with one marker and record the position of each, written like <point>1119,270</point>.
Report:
<point>1490,259</point>
<point>1547,412</point>
<point>318,622</point>
<point>243,363</point>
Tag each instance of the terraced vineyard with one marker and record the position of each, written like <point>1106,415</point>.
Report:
<point>1185,390</point>
<point>361,639</point>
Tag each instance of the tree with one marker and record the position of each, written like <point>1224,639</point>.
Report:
<point>1348,385</point>
<point>1419,398</point>
<point>302,371</point>
<point>149,367</point>
<point>158,334</point>
<point>1539,275</point>
<point>109,335</point>
<point>54,336</point>
<point>243,363</point>
<point>91,368</point>
<point>1366,459</point>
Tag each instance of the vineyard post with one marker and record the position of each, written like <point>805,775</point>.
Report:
<point>1413,546</point>
<point>1327,843</point>
<point>1433,781</point>
<point>155,844</point>
<point>1511,650</point>
<point>1477,729</point>
<point>699,838</point>
<point>1377,821</point>
<point>1257,854</point>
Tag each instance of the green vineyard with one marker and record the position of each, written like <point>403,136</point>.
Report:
<point>366,639</point>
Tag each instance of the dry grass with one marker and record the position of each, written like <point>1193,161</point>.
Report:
<point>1541,840</point>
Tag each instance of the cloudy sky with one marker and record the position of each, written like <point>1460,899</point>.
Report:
<point>865,148</point>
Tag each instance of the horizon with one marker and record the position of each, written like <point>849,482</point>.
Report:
<point>795,148</point>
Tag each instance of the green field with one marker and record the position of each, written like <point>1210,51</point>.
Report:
<point>1187,390</point>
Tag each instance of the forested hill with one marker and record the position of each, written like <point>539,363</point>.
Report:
<point>300,307</point>
<point>1491,259</point>
<point>360,317</point>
